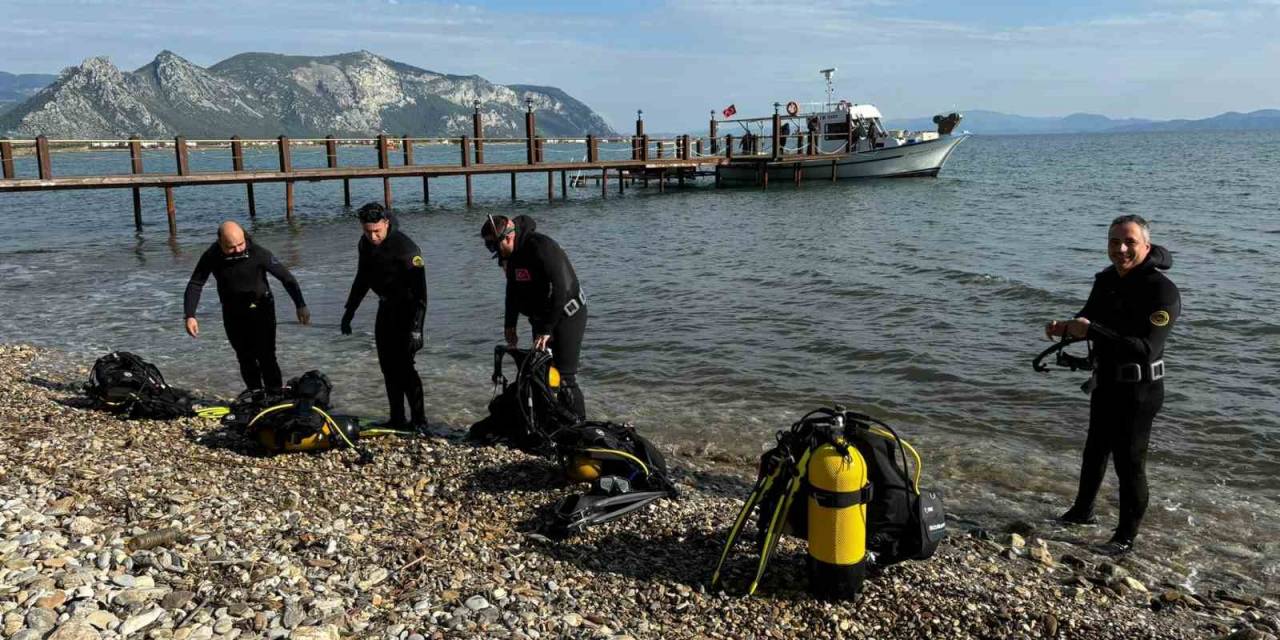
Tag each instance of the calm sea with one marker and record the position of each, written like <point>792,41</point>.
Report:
<point>721,316</point>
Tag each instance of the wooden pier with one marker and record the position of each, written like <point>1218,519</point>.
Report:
<point>664,160</point>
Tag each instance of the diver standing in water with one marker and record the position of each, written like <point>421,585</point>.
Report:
<point>1128,317</point>
<point>391,264</point>
<point>248,310</point>
<point>542,285</point>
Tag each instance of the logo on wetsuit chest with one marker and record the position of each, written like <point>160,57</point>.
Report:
<point>1160,318</point>
<point>522,275</point>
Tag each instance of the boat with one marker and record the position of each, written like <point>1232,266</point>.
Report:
<point>836,140</point>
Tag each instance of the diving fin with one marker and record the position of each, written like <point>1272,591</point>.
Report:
<point>780,512</point>
<point>762,487</point>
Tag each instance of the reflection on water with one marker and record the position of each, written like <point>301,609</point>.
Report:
<point>722,316</point>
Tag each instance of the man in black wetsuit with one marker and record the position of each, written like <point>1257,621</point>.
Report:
<point>391,264</point>
<point>1128,316</point>
<point>248,310</point>
<point>542,285</point>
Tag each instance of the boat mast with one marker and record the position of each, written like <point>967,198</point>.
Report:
<point>827,73</point>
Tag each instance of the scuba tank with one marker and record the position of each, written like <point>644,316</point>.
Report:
<point>837,519</point>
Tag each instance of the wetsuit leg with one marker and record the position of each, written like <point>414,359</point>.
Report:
<point>264,331</point>
<point>239,325</point>
<point>396,360</point>
<point>1130,454</point>
<point>566,347</point>
<point>1097,448</point>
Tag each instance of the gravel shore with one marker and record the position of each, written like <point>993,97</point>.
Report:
<point>140,529</point>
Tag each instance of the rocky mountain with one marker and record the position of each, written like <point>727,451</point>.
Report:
<point>265,94</point>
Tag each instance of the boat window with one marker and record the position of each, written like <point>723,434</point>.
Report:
<point>837,130</point>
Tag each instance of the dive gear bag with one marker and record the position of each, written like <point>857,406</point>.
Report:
<point>899,520</point>
<point>526,413</point>
<point>124,383</point>
<point>625,470</point>
<point>298,420</point>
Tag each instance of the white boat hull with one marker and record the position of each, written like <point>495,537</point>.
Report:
<point>917,159</point>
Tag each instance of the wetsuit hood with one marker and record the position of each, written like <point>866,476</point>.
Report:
<point>524,226</point>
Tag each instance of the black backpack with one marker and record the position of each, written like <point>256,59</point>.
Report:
<point>120,377</point>
<point>625,470</point>
<point>527,413</point>
<point>312,387</point>
<point>124,383</point>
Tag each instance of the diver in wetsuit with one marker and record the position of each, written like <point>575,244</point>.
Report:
<point>248,310</point>
<point>391,264</point>
<point>1128,317</point>
<point>542,285</point>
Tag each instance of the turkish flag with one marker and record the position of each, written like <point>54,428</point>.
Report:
<point>729,111</point>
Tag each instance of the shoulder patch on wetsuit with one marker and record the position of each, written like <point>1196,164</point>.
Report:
<point>417,261</point>
<point>1160,318</point>
<point>523,275</point>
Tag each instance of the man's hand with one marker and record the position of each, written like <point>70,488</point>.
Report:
<point>540,342</point>
<point>345,327</point>
<point>415,341</point>
<point>304,315</point>
<point>1055,329</point>
<point>193,328</point>
<point>511,336</point>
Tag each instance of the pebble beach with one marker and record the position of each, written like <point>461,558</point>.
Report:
<point>114,528</point>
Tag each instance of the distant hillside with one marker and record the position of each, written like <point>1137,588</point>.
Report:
<point>994,122</point>
<point>267,94</point>
<point>15,88</point>
<point>1230,121</point>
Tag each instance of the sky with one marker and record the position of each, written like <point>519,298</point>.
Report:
<point>678,59</point>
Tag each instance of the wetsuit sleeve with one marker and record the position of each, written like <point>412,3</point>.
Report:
<point>359,286</point>
<point>555,265</point>
<point>417,286</point>
<point>191,298</point>
<point>1165,308</point>
<point>281,273</point>
<point>512,315</point>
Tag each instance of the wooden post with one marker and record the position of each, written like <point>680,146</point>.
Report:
<point>714,136</point>
<point>6,158</point>
<point>286,166</point>
<point>406,146</point>
<point>813,143</point>
<point>795,173</point>
<point>513,186</point>
<point>331,161</point>
<point>171,211</point>
<point>564,184</point>
<point>604,182</point>
<point>529,128</point>
<point>728,146</point>
<point>465,152</point>
<point>180,155</point>
<point>660,145</point>
<point>477,130</point>
<point>697,146</point>
<point>383,163</point>
<point>680,177</point>
<point>777,136</point>
<point>135,167</point>
<point>764,176</point>
<point>237,164</point>
<point>537,149</point>
<point>44,167</point>
<point>833,170</point>
<point>717,176</point>
<point>593,148</point>
<point>662,181</point>
<point>636,152</point>
<point>551,186</point>
<point>644,148</point>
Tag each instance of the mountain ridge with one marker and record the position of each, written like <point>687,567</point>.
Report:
<point>266,94</point>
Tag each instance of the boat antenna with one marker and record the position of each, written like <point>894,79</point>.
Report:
<point>827,73</point>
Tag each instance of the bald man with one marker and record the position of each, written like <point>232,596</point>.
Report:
<point>248,309</point>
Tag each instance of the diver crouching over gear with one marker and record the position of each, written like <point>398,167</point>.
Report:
<point>542,285</point>
<point>391,264</point>
<point>834,479</point>
<point>240,267</point>
<point>1127,319</point>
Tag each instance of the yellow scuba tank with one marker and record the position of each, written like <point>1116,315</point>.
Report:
<point>837,517</point>
<point>332,433</point>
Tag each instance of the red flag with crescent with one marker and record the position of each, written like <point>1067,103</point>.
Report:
<point>729,111</point>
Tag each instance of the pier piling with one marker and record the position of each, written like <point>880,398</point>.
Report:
<point>44,166</point>
<point>383,163</point>
<point>135,167</point>
<point>6,158</point>
<point>286,166</point>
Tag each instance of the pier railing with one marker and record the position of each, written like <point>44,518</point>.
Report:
<point>137,163</point>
